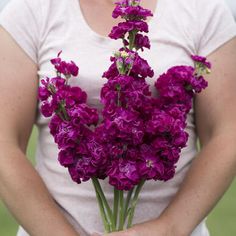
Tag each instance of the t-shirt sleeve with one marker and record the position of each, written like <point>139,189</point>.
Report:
<point>215,24</point>
<point>20,18</point>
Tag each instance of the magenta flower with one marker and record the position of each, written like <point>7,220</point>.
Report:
<point>150,165</point>
<point>131,10</point>
<point>65,68</point>
<point>123,174</point>
<point>66,157</point>
<point>201,60</point>
<point>142,42</point>
<point>138,133</point>
<point>123,28</point>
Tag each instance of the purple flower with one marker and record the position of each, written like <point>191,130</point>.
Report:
<point>123,174</point>
<point>47,109</point>
<point>43,93</point>
<point>170,154</point>
<point>70,95</point>
<point>142,68</point>
<point>72,68</point>
<point>178,84</point>
<point>85,169</point>
<point>125,3</point>
<point>198,83</point>
<point>112,71</point>
<point>161,122</point>
<point>66,157</point>
<point>46,89</point>
<point>202,60</point>
<point>150,165</point>
<point>131,12</point>
<point>142,42</point>
<point>67,136</point>
<point>74,174</point>
<point>180,139</point>
<point>55,124</point>
<point>122,28</point>
<point>83,114</point>
<point>66,68</point>
<point>169,173</point>
<point>125,126</point>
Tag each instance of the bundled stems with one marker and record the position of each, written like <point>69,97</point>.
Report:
<point>124,208</point>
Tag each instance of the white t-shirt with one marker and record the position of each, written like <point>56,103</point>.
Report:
<point>3,3</point>
<point>232,5</point>
<point>178,29</point>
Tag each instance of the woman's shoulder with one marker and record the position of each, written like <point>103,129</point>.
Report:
<point>194,6</point>
<point>195,12</point>
<point>38,5</point>
<point>41,12</point>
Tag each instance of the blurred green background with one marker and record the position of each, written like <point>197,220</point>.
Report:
<point>221,221</point>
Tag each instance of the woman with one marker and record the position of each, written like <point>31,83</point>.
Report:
<point>47,202</point>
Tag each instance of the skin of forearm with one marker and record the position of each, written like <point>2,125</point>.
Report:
<point>209,177</point>
<point>26,196</point>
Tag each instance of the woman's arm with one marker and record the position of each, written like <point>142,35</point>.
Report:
<point>21,188</point>
<point>214,168</point>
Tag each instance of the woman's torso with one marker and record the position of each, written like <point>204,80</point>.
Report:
<point>170,46</point>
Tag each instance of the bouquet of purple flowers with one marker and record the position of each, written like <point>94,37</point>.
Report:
<point>139,137</point>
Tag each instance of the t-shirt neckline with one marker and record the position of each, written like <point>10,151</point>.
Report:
<point>98,37</point>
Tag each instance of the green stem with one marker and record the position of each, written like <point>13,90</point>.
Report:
<point>130,69</point>
<point>115,205</point>
<point>106,205</point>
<point>102,211</point>
<point>64,111</point>
<point>129,195</point>
<point>132,35</point>
<point>118,102</point>
<point>123,40</point>
<point>60,115</point>
<point>118,89</point>
<point>121,219</point>
<point>134,203</point>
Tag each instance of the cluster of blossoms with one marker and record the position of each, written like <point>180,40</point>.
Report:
<point>130,30</point>
<point>140,137</point>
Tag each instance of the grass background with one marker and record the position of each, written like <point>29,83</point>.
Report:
<point>221,221</point>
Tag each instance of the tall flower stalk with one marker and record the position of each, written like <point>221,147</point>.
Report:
<point>140,137</point>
